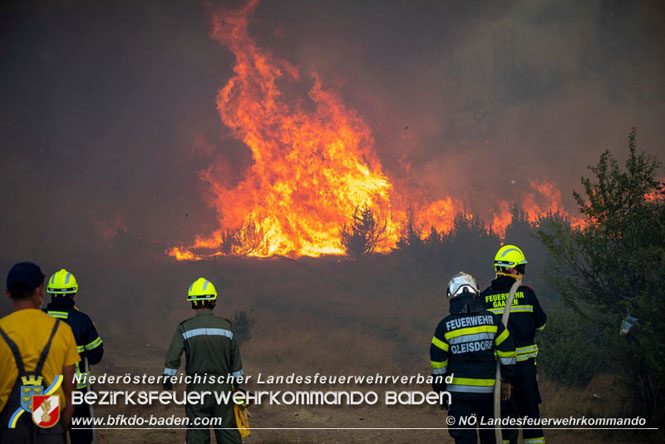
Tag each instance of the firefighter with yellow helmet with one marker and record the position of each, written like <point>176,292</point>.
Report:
<point>526,318</point>
<point>212,351</point>
<point>63,287</point>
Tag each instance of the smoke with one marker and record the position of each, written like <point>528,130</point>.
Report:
<point>474,96</point>
<point>109,109</point>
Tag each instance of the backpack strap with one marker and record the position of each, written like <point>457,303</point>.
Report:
<point>47,348</point>
<point>15,352</point>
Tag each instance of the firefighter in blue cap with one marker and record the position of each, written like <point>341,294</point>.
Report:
<point>212,349</point>
<point>37,358</point>
<point>63,287</point>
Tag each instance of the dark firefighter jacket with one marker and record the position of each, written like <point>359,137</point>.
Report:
<point>88,342</point>
<point>526,315</point>
<point>467,344</point>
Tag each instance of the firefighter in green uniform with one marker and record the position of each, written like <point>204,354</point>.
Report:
<point>212,350</point>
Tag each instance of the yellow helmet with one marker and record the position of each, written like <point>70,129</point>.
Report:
<point>62,282</point>
<point>509,256</point>
<point>201,290</point>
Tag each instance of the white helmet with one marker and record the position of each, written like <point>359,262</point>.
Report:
<point>462,283</point>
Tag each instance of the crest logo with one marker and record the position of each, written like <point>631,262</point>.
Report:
<point>31,386</point>
<point>45,410</point>
<point>45,406</point>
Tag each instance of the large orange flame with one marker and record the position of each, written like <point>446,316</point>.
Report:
<point>313,165</point>
<point>311,168</point>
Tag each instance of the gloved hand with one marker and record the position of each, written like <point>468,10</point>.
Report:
<point>438,388</point>
<point>506,390</point>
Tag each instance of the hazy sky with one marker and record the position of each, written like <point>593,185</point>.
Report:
<point>107,109</point>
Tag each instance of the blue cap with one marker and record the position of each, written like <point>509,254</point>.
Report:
<point>24,277</point>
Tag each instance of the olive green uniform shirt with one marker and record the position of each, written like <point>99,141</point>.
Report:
<point>210,346</point>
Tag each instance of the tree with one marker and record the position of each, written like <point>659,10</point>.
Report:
<point>410,243</point>
<point>615,266</point>
<point>364,233</point>
<point>411,235</point>
<point>242,325</point>
<point>228,242</point>
<point>470,247</point>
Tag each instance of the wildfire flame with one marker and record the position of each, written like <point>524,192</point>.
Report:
<point>312,165</point>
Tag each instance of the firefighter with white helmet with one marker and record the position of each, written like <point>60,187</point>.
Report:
<point>526,318</point>
<point>212,350</point>
<point>63,287</point>
<point>466,345</point>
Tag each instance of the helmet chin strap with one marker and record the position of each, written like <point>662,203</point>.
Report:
<point>514,276</point>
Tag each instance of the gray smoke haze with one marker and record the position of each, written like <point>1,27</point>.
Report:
<point>107,109</point>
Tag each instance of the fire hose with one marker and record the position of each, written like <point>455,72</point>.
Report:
<point>497,381</point>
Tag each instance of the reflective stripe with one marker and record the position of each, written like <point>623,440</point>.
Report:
<point>474,381</point>
<point>94,344</point>
<point>80,348</point>
<point>510,250</point>
<point>207,332</point>
<point>471,330</point>
<point>471,385</point>
<point>82,376</point>
<point>513,309</point>
<point>527,352</point>
<point>82,385</point>
<point>469,388</point>
<point>67,278</point>
<point>502,337</point>
<point>471,338</point>
<point>521,309</point>
<point>508,354</point>
<point>541,328</point>
<point>534,440</point>
<point>438,364</point>
<point>238,373</point>
<point>440,371</point>
<point>170,371</point>
<point>58,314</point>
<point>508,361</point>
<point>526,349</point>
<point>440,344</point>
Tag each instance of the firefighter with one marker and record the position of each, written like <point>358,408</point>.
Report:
<point>63,287</point>
<point>212,349</point>
<point>37,357</point>
<point>466,345</point>
<point>526,318</point>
